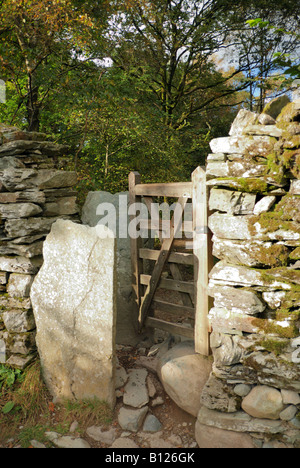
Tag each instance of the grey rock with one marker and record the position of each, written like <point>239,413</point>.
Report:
<point>156,440</point>
<point>226,349</point>
<point>132,419</point>
<point>152,424</point>
<point>19,285</point>
<point>19,210</point>
<point>124,443</point>
<point>10,161</point>
<point>238,300</point>
<point>221,157</point>
<point>24,179</point>
<point>18,321</point>
<point>34,196</point>
<point>8,303</point>
<point>28,251</point>
<point>231,227</point>
<point>28,226</point>
<point>37,445</point>
<point>17,147</point>
<point>275,106</point>
<point>238,275</point>
<point>20,362</point>
<point>242,121</point>
<point>217,395</point>
<point>288,413</point>
<point>265,119</point>
<point>151,387</point>
<point>263,402</point>
<point>249,253</point>
<point>231,202</point>
<point>104,436</point>
<point>121,377</point>
<point>290,398</point>
<point>242,390</point>
<point>295,187</point>
<point>135,391</point>
<point>214,438</point>
<point>20,264</point>
<point>270,130</point>
<point>69,442</point>
<point>157,402</point>
<point>239,167</point>
<point>62,206</point>
<point>239,422</point>
<point>278,373</point>
<point>259,145</point>
<point>264,205</point>
<point>22,343</point>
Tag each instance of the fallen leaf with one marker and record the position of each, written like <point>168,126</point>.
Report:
<point>51,407</point>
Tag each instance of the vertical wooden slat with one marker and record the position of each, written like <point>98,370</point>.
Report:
<point>136,244</point>
<point>203,261</point>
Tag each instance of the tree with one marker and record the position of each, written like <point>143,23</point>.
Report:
<point>43,41</point>
<point>168,46</point>
<point>257,44</point>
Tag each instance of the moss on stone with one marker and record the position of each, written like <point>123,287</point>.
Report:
<point>274,256</point>
<point>291,299</point>
<point>274,346</point>
<point>287,314</point>
<point>244,184</point>
<point>289,208</point>
<point>292,141</point>
<point>271,222</point>
<point>271,327</point>
<point>285,275</point>
<point>252,185</point>
<point>289,114</point>
<point>295,254</point>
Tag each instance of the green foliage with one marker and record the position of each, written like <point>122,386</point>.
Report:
<point>9,376</point>
<point>8,407</point>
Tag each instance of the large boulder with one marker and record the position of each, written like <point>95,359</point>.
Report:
<point>73,299</point>
<point>215,438</point>
<point>184,374</point>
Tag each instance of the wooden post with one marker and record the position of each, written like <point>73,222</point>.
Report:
<point>203,261</point>
<point>136,244</point>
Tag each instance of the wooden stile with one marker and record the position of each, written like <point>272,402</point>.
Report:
<point>175,253</point>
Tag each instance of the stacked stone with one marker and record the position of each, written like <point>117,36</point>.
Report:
<point>254,176</point>
<point>33,195</point>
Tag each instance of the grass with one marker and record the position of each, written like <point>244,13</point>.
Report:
<point>27,410</point>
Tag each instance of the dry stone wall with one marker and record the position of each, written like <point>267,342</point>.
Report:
<point>33,195</point>
<point>254,175</point>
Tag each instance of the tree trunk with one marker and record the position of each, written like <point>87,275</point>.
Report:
<point>33,111</point>
<point>106,160</point>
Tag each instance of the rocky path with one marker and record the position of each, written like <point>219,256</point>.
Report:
<point>144,417</point>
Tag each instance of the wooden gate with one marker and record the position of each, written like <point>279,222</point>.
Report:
<point>170,255</point>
